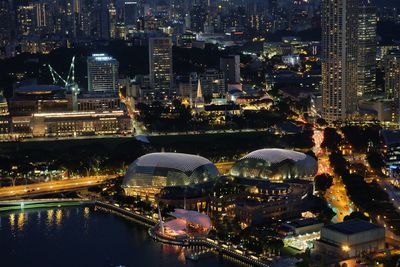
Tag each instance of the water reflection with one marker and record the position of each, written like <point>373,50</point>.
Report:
<point>59,215</point>
<point>11,218</point>
<point>98,239</point>
<point>21,221</point>
<point>50,218</point>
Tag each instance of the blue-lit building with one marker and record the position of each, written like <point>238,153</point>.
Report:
<point>102,73</point>
<point>391,150</point>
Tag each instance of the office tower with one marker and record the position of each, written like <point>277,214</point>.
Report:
<point>366,45</point>
<point>25,20</point>
<point>6,22</point>
<point>230,66</point>
<point>198,17</point>
<point>102,73</point>
<point>131,13</point>
<point>213,82</point>
<point>112,16</point>
<point>392,74</point>
<point>99,19</point>
<point>160,63</point>
<point>339,58</point>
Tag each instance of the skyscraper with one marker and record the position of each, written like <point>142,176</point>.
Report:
<point>131,13</point>
<point>230,66</point>
<point>26,20</point>
<point>160,63</point>
<point>366,46</point>
<point>339,58</point>
<point>392,75</point>
<point>102,73</point>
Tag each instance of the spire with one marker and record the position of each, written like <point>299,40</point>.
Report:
<point>199,91</point>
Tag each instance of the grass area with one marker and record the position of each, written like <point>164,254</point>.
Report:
<point>289,251</point>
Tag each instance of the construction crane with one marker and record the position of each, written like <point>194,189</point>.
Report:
<point>69,82</point>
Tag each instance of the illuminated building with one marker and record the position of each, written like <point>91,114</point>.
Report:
<point>353,238</point>
<point>275,165</point>
<point>199,100</point>
<point>391,151</point>
<point>213,82</point>
<point>392,74</point>
<point>301,234</point>
<point>178,175</point>
<point>98,102</point>
<point>102,73</point>
<point>339,58</point>
<point>79,123</point>
<point>366,46</point>
<point>3,105</point>
<point>26,20</point>
<point>230,66</point>
<point>5,120</point>
<point>160,63</point>
<point>185,223</point>
<point>263,201</point>
<point>29,99</point>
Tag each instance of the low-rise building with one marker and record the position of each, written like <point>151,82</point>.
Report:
<point>351,238</point>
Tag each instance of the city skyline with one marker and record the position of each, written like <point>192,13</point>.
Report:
<point>200,132</point>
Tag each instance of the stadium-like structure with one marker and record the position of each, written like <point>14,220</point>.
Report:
<point>275,165</point>
<point>153,172</point>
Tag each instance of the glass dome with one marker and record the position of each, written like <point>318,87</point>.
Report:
<point>169,169</point>
<point>275,165</point>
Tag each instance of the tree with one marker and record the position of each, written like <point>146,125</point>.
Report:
<point>323,182</point>
<point>332,139</point>
<point>356,215</point>
<point>375,160</point>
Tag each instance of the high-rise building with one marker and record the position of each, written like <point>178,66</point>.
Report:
<point>160,63</point>
<point>339,58</point>
<point>6,22</point>
<point>131,13</point>
<point>26,20</point>
<point>102,73</point>
<point>366,45</point>
<point>112,16</point>
<point>392,74</point>
<point>230,66</point>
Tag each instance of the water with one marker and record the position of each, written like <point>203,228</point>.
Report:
<point>82,236</point>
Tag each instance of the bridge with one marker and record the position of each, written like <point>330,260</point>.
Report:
<point>39,189</point>
<point>6,205</point>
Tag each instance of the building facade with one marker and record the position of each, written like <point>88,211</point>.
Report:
<point>102,73</point>
<point>339,58</point>
<point>160,63</point>
<point>366,55</point>
<point>230,66</point>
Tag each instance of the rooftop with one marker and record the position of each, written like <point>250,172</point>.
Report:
<point>352,227</point>
<point>391,137</point>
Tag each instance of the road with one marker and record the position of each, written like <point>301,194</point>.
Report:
<point>138,133</point>
<point>338,200</point>
<point>336,195</point>
<point>51,187</point>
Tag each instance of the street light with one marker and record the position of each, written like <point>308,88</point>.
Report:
<point>345,248</point>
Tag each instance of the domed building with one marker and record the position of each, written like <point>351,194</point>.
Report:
<point>151,173</point>
<point>275,165</point>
